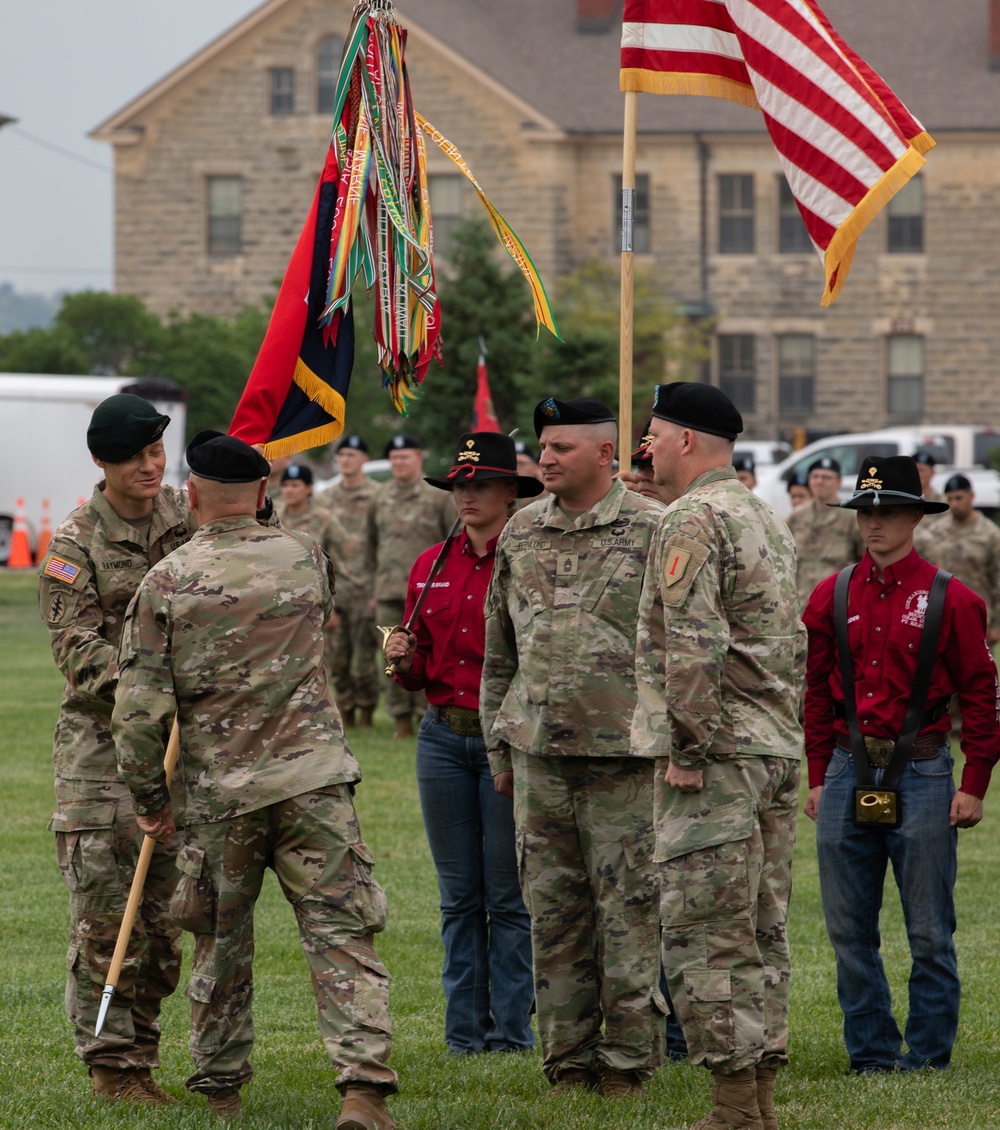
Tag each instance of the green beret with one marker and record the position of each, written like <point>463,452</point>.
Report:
<point>225,459</point>
<point>579,410</point>
<point>700,407</point>
<point>122,426</point>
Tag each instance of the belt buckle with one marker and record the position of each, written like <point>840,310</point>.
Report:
<point>461,721</point>
<point>879,751</point>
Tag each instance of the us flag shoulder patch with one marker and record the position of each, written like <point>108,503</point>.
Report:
<point>61,570</point>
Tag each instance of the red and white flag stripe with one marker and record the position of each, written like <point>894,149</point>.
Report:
<point>845,141</point>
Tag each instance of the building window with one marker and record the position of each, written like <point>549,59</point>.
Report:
<point>793,239</point>
<point>737,369</point>
<point>225,215</point>
<point>736,215</point>
<point>905,371</point>
<point>327,70</point>
<point>796,373</point>
<point>447,192</point>
<point>640,215</point>
<point>906,218</point>
<point>282,90</point>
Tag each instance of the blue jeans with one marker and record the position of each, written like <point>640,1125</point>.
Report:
<point>485,928</point>
<point>852,867</point>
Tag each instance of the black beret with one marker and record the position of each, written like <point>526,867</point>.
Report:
<point>925,457</point>
<point>824,464</point>
<point>957,482</point>
<point>297,472</point>
<point>225,459</point>
<point>354,442</point>
<point>400,443</point>
<point>521,448</point>
<point>799,479</point>
<point>744,463</point>
<point>579,410</point>
<point>701,407</point>
<point>122,426</point>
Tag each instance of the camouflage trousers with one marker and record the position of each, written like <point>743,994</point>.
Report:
<point>97,846</point>
<point>725,858</point>
<point>313,844</point>
<point>584,848</point>
<point>352,655</point>
<point>398,700</point>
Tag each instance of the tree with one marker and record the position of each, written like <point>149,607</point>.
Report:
<point>41,351</point>
<point>115,332</point>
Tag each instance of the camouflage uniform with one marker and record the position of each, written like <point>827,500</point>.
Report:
<point>826,539</point>
<point>351,647</point>
<point>720,658</point>
<point>403,521</point>
<point>970,550</point>
<point>228,632</point>
<point>93,565</point>
<point>557,693</point>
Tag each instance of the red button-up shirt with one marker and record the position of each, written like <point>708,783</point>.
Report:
<point>884,624</point>
<point>451,632</point>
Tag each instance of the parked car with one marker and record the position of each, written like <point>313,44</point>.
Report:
<point>378,469</point>
<point>765,453</point>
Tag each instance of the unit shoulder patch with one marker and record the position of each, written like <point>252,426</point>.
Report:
<point>62,570</point>
<point>683,557</point>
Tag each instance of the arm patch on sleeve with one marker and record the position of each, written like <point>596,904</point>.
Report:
<point>683,557</point>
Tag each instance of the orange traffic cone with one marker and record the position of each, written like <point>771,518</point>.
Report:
<point>44,533</point>
<point>20,543</point>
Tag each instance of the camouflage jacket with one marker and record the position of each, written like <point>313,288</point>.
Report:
<point>92,567</point>
<point>720,655</point>
<point>228,632</point>
<point>970,550</point>
<point>326,528</point>
<point>351,506</point>
<point>558,676</point>
<point>826,539</point>
<point>403,521</point>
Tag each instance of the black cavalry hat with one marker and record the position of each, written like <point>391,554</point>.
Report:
<point>889,480</point>
<point>225,459</point>
<point>487,455</point>
<point>642,454</point>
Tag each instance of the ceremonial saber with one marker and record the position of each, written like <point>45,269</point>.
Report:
<point>421,600</point>
<point>135,894</point>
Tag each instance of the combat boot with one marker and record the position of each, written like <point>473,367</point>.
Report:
<point>350,718</point>
<point>620,1084</point>
<point>364,1109</point>
<point>734,1103</point>
<point>573,1078</point>
<point>765,1097</point>
<point>117,1085</point>
<point>163,1098</point>
<point>225,1104</point>
<point>404,726</point>
<point>366,722</point>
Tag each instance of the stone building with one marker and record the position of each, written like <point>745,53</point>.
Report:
<point>215,167</point>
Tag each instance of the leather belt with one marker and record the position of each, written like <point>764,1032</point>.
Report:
<point>460,720</point>
<point>925,746</point>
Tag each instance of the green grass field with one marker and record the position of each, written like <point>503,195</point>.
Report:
<point>43,1086</point>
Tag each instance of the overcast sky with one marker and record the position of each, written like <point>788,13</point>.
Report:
<point>65,66</point>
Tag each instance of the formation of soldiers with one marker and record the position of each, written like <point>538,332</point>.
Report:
<point>639,701</point>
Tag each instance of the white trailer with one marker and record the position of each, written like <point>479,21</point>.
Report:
<point>43,420</point>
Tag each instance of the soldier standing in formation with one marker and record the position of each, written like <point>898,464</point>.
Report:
<point>227,633</point>
<point>94,564</point>
<point>350,644</point>
<point>826,539</point>
<point>719,662</point>
<point>967,544</point>
<point>926,463</point>
<point>406,516</point>
<point>485,928</point>
<point>746,470</point>
<point>558,690</point>
<point>798,488</point>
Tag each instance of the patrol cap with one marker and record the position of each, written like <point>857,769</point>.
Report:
<point>642,454</point>
<point>486,455</point>
<point>579,410</point>
<point>400,443</point>
<point>925,457</point>
<point>744,463</point>
<point>297,472</point>
<point>824,464</point>
<point>354,443</point>
<point>701,407</point>
<point>122,426</point>
<point>957,482</point>
<point>225,459</point>
<point>889,480</point>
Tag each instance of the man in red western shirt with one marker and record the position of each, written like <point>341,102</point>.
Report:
<point>887,601</point>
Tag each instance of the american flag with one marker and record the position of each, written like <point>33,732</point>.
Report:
<point>846,142</point>
<point>61,570</point>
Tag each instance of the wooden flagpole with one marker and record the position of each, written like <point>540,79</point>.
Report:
<point>625,330</point>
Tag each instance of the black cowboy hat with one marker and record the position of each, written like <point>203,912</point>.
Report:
<point>486,455</point>
<point>889,480</point>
